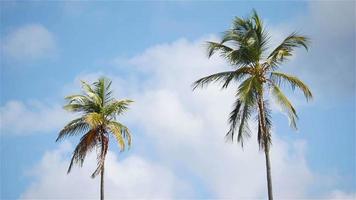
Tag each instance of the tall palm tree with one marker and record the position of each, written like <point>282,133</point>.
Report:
<point>98,121</point>
<point>244,46</point>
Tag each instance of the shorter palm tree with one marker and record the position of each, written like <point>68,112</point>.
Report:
<point>98,121</point>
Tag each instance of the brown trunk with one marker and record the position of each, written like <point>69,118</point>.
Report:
<point>102,184</point>
<point>102,168</point>
<point>266,147</point>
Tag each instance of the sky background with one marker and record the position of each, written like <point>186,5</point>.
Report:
<point>153,51</point>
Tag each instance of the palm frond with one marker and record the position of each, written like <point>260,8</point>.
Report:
<point>214,47</point>
<point>121,134</point>
<point>243,107</point>
<point>286,105</point>
<point>102,89</point>
<point>77,99</point>
<point>285,49</point>
<point>86,144</point>
<point>93,95</point>
<point>248,90</point>
<point>117,107</point>
<point>74,127</point>
<point>234,119</point>
<point>244,130</point>
<point>279,77</point>
<point>225,77</point>
<point>104,146</point>
<point>221,76</point>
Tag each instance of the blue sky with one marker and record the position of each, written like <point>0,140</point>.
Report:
<point>153,51</point>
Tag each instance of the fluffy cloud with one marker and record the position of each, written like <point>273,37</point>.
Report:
<point>133,177</point>
<point>29,42</point>
<point>32,117</point>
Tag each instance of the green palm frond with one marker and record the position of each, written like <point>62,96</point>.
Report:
<point>286,105</point>
<point>86,144</point>
<point>286,48</point>
<point>225,77</point>
<point>77,99</point>
<point>244,130</point>
<point>102,89</point>
<point>84,108</point>
<point>74,127</point>
<point>248,90</point>
<point>93,95</point>
<point>234,119</point>
<point>242,109</point>
<point>222,76</point>
<point>279,77</point>
<point>214,47</point>
<point>117,107</point>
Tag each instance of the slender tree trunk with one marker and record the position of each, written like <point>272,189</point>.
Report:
<point>269,176</point>
<point>102,184</point>
<point>266,147</point>
<point>102,168</point>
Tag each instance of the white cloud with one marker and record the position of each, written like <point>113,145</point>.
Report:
<point>33,117</point>
<point>29,42</point>
<point>132,177</point>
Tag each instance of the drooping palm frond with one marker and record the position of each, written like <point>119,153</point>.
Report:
<point>285,104</point>
<point>279,77</point>
<point>248,90</point>
<point>244,130</point>
<point>86,144</point>
<point>103,146</point>
<point>121,134</point>
<point>243,107</point>
<point>286,48</point>
<point>74,127</point>
<point>234,119</point>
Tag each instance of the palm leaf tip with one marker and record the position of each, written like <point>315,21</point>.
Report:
<point>279,77</point>
<point>286,105</point>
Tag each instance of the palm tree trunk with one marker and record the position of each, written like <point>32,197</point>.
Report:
<point>266,146</point>
<point>102,184</point>
<point>269,176</point>
<point>102,168</point>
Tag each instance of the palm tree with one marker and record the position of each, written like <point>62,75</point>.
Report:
<point>98,121</point>
<point>245,48</point>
